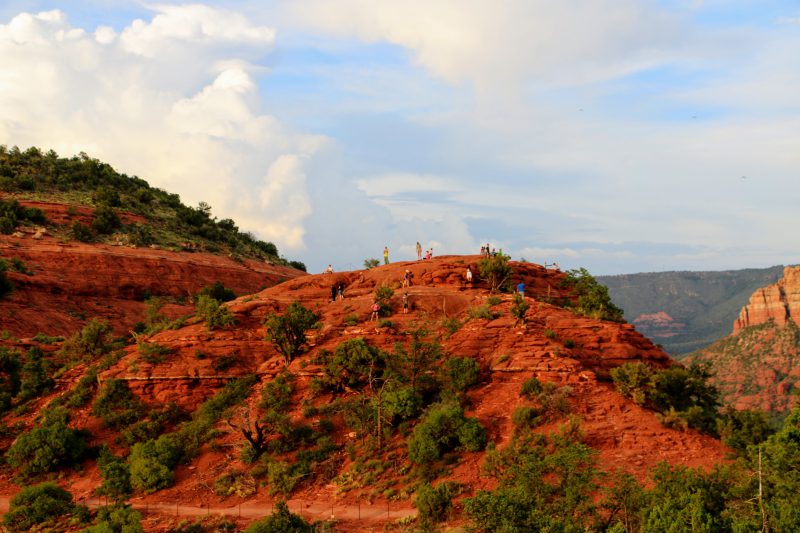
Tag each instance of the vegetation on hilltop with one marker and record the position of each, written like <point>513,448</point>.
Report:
<point>82,180</point>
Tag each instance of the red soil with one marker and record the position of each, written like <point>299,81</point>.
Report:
<point>627,437</point>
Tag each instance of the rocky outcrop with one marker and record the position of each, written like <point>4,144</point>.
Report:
<point>779,302</point>
<point>65,282</point>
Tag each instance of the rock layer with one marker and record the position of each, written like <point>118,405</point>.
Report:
<point>779,302</point>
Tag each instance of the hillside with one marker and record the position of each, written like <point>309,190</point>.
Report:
<point>79,241</point>
<point>758,365</point>
<point>345,423</point>
<point>684,311</point>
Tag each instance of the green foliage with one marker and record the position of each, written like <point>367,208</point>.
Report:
<point>593,298</point>
<point>9,377</point>
<point>483,312</point>
<point>450,325</point>
<point>12,214</point>
<point>519,307</point>
<point>218,291</point>
<point>435,503</point>
<point>44,338</point>
<point>117,518</point>
<point>383,295</point>
<point>676,392</point>
<point>371,263</point>
<point>496,270</point>
<point>81,232</point>
<point>153,352</point>
<point>151,463</point>
<point>531,388</point>
<point>35,377</point>
<point>105,220</point>
<point>48,446</point>
<point>411,362</point>
<point>542,485</point>
<point>351,319</point>
<point>5,284</point>
<point>116,405</point>
<point>37,504</point>
<point>444,428</point>
<point>299,265</point>
<point>84,390</point>
<point>280,521</point>
<point>353,364</point>
<point>95,339</point>
<point>116,476</point>
<point>287,332</point>
<point>213,314</point>
<point>741,429</point>
<point>459,373</point>
<point>86,177</point>
<point>18,266</point>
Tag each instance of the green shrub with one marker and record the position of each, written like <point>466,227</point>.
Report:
<point>482,311</point>
<point>593,298</point>
<point>48,446</point>
<point>106,196</point>
<point>5,284</point>
<point>18,266</point>
<point>84,390</point>
<point>401,403</point>
<point>37,505</point>
<point>633,380</point>
<point>351,319</point>
<point>569,344</point>
<point>105,220</point>
<point>287,332</point>
<point>95,339</point>
<point>385,323</point>
<point>444,428</point>
<point>450,325</point>
<point>213,314</point>
<point>35,379</point>
<point>383,295</point>
<point>151,463</point>
<point>549,333</point>
<point>117,518</point>
<point>43,338</point>
<point>352,364</point>
<point>153,352</point>
<point>741,429</point>
<point>371,263</point>
<point>81,232</point>
<point>299,265</point>
<point>519,307</point>
<point>531,388</point>
<point>222,363</point>
<point>280,521</point>
<point>496,271</point>
<point>116,405</point>
<point>460,373</point>
<point>218,291</point>
<point>116,476</point>
<point>526,417</point>
<point>9,377</point>
<point>435,503</point>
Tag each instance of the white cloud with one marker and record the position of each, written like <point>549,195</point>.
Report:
<point>172,100</point>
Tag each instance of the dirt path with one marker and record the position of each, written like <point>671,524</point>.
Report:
<point>310,510</point>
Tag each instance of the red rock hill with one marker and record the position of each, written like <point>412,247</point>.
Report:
<point>70,281</point>
<point>779,302</point>
<point>756,367</point>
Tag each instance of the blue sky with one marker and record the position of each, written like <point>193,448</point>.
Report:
<point>619,135</point>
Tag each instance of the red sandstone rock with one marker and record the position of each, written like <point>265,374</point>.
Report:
<point>779,302</point>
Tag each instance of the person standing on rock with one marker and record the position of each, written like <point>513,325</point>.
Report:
<point>407,279</point>
<point>385,255</point>
<point>521,288</point>
<point>405,303</point>
<point>341,291</point>
<point>333,292</point>
<point>419,251</point>
<point>469,275</point>
<point>375,308</point>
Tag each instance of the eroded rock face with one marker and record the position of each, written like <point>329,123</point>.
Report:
<point>71,282</point>
<point>779,302</point>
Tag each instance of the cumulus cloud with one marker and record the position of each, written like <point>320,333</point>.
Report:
<point>172,99</point>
